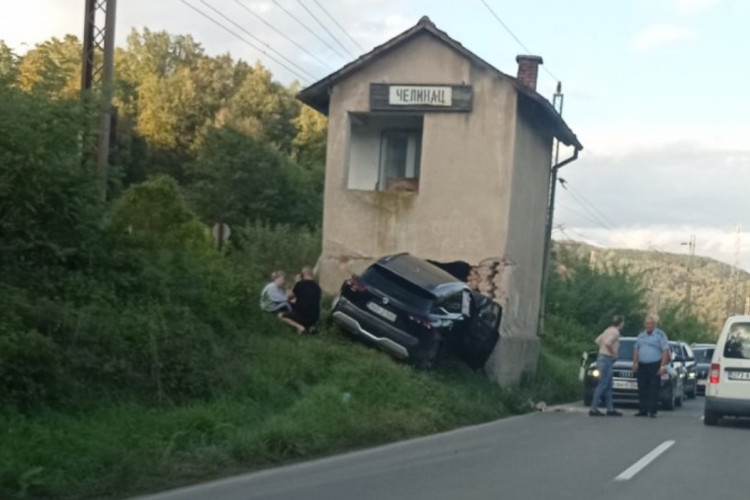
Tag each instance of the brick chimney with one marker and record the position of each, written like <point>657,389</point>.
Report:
<point>528,69</point>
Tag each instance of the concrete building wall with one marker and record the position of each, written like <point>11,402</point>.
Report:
<point>518,349</point>
<point>460,211</point>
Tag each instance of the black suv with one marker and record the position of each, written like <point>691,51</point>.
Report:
<point>415,310</point>
<point>625,385</point>
<point>703,354</point>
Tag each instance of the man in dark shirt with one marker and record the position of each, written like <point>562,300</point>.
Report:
<point>305,298</point>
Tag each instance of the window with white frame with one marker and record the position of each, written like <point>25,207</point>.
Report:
<point>385,152</point>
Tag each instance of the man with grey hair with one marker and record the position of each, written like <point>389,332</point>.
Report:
<point>274,298</point>
<point>650,360</point>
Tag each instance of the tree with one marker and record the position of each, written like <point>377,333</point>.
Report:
<point>263,109</point>
<point>8,65</point>
<point>53,68</point>
<point>238,179</point>
<point>310,143</point>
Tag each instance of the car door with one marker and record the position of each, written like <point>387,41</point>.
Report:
<point>477,343</point>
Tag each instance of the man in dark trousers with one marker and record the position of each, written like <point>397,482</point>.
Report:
<point>305,299</point>
<point>650,361</point>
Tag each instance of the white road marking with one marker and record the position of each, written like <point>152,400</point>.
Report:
<point>643,462</point>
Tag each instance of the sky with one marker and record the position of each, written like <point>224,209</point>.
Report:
<point>654,89</point>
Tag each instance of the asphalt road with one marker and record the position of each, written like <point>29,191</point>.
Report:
<point>559,454</point>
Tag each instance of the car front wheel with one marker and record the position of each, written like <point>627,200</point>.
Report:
<point>427,357</point>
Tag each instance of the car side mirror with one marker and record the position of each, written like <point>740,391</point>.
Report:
<point>678,359</point>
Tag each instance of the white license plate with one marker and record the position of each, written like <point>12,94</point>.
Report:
<point>734,375</point>
<point>381,311</point>
<point>624,384</point>
<point>701,382</point>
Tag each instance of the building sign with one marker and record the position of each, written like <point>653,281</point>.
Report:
<point>385,97</point>
<point>411,95</point>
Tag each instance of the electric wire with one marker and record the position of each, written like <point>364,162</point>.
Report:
<point>309,30</point>
<point>325,11</point>
<point>283,35</point>
<point>259,49</point>
<point>325,28</point>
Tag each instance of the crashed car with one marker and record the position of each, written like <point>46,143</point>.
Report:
<point>415,311</point>
<point>625,383</point>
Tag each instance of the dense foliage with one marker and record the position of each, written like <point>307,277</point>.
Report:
<point>583,297</point>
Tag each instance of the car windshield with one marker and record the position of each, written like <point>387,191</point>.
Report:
<point>703,355</point>
<point>738,342</point>
<point>626,349</point>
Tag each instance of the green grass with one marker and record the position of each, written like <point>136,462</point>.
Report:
<point>283,403</point>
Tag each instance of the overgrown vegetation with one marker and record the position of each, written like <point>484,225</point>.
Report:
<point>133,355</point>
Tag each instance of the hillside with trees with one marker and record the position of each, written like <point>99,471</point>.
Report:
<point>716,292</point>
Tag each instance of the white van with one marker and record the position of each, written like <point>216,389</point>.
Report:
<point>728,389</point>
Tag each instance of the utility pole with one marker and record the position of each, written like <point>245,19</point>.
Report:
<point>99,36</point>
<point>557,102</point>
<point>689,279</point>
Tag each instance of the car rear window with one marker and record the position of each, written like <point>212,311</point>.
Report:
<point>703,355</point>
<point>397,288</point>
<point>626,349</point>
<point>737,345</point>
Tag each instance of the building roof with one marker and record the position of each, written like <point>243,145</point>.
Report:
<point>317,95</point>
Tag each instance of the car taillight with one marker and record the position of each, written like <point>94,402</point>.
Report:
<point>355,285</point>
<point>421,321</point>
<point>713,377</point>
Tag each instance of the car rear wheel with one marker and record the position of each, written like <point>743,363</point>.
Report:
<point>710,417</point>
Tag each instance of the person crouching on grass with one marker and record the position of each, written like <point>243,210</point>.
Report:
<point>273,298</point>
<point>305,299</point>
<point>609,345</point>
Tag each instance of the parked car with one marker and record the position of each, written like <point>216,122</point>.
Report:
<point>625,389</point>
<point>728,390</point>
<point>415,310</point>
<point>703,354</point>
<point>684,363</point>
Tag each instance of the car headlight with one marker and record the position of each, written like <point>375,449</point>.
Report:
<point>594,373</point>
<point>691,375</point>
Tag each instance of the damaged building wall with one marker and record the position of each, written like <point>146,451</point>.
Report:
<point>461,209</point>
<point>517,351</point>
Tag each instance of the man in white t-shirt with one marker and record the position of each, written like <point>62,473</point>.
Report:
<point>609,345</point>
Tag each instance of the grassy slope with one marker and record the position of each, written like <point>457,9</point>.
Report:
<point>286,405</point>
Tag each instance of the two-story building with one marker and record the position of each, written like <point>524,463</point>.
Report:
<point>433,151</point>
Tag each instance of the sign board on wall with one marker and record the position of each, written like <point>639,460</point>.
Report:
<point>427,97</point>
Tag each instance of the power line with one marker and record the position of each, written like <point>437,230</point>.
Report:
<point>309,30</point>
<point>320,23</point>
<point>339,25</point>
<point>284,35</point>
<point>602,221</point>
<point>583,215</point>
<point>279,54</point>
<point>518,40</point>
<point>593,207</point>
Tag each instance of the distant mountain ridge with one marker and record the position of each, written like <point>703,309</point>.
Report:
<point>715,292</point>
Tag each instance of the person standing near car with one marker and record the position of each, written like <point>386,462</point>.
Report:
<point>650,360</point>
<point>305,298</point>
<point>609,346</point>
